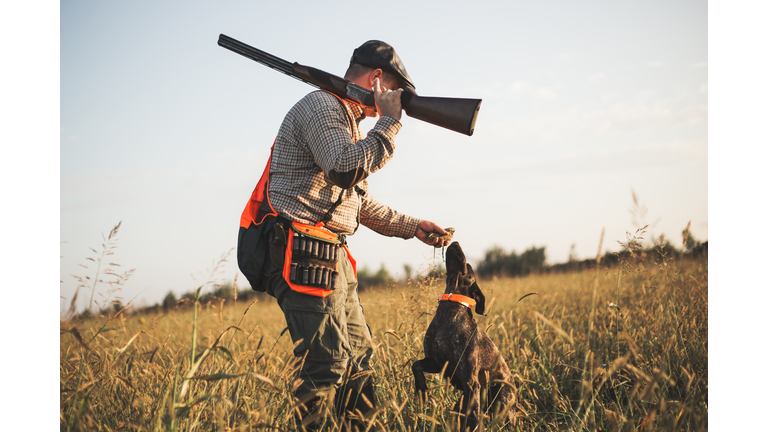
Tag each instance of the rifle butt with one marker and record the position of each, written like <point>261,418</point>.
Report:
<point>458,115</point>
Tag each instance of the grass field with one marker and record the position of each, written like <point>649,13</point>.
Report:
<point>623,348</point>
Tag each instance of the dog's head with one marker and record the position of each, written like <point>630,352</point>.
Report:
<point>461,278</point>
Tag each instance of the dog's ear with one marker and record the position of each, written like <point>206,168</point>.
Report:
<point>474,291</point>
<point>479,298</point>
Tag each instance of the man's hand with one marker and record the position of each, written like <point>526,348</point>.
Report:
<point>425,228</point>
<point>387,101</point>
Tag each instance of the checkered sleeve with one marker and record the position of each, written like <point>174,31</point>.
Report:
<point>329,136</point>
<point>386,221</point>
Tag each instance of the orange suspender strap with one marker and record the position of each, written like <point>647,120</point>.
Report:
<point>460,299</point>
<point>252,212</point>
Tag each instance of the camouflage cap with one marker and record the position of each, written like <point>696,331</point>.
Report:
<point>378,54</point>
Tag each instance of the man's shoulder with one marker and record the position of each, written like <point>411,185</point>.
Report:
<point>320,99</point>
<point>316,109</point>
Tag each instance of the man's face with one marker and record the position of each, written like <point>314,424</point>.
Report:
<point>388,81</point>
<point>391,82</point>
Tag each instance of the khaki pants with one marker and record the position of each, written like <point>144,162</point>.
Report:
<point>332,329</point>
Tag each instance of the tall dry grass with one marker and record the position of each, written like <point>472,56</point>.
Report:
<point>605,349</point>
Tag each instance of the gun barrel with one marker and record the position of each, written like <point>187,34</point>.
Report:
<point>260,56</point>
<point>455,114</point>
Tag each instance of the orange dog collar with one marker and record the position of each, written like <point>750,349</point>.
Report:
<point>460,299</point>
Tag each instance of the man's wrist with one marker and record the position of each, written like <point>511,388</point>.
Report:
<point>412,223</point>
<point>390,120</point>
<point>388,125</point>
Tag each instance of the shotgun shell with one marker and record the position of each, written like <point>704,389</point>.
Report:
<point>324,279</point>
<point>302,246</point>
<point>334,276</point>
<point>296,244</point>
<point>326,252</point>
<point>315,247</point>
<point>311,278</point>
<point>293,272</point>
<point>304,275</point>
<point>319,276</point>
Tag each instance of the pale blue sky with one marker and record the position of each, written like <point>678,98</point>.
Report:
<point>583,102</point>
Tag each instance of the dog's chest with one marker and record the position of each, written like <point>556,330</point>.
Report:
<point>449,334</point>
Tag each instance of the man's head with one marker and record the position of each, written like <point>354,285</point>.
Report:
<point>377,59</point>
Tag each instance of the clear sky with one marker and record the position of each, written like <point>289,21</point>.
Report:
<point>583,103</point>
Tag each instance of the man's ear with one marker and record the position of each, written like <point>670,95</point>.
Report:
<point>479,298</point>
<point>376,73</point>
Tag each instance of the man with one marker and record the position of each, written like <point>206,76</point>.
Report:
<point>318,176</point>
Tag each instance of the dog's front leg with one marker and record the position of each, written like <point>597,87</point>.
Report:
<point>419,367</point>
<point>468,406</point>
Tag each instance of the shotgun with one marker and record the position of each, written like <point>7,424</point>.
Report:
<point>456,114</point>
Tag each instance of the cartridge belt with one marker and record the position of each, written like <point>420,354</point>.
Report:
<point>311,258</point>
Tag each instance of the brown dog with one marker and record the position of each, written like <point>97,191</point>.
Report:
<point>473,361</point>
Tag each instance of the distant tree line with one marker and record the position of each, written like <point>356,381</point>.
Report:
<point>499,263</point>
<point>225,291</point>
<point>367,279</point>
<point>495,263</point>
<point>659,251</point>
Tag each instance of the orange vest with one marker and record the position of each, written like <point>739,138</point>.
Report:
<point>252,212</point>
<point>252,217</point>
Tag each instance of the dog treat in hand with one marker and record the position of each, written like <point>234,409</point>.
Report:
<point>448,237</point>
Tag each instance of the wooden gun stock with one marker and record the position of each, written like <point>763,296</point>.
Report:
<point>456,114</point>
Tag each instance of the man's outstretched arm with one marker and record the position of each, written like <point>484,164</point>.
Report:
<point>386,221</point>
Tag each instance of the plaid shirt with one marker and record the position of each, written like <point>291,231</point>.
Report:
<point>319,136</point>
